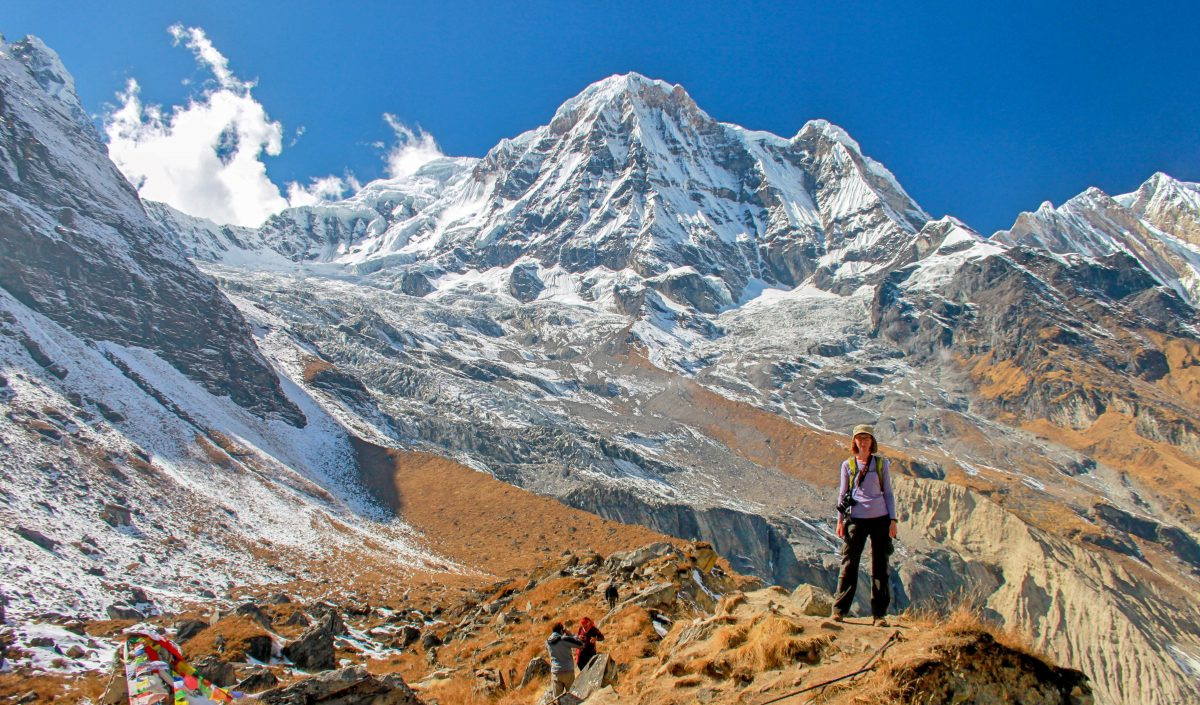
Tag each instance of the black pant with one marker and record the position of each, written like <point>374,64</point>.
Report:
<point>857,531</point>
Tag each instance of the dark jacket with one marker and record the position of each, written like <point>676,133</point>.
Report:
<point>560,646</point>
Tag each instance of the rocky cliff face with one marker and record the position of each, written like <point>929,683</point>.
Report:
<point>79,249</point>
<point>1076,602</point>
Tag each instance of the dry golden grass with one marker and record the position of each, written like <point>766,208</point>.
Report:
<point>215,455</point>
<point>742,651</point>
<point>492,526</point>
<point>314,366</point>
<point>235,631</point>
<point>49,688</point>
<point>966,617</point>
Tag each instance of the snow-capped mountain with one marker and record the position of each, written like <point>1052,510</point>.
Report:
<point>630,175</point>
<point>1157,225</point>
<point>661,319</point>
<point>1171,206</point>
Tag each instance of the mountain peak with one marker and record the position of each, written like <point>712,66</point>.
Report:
<point>628,89</point>
<point>829,131</point>
<point>48,70</point>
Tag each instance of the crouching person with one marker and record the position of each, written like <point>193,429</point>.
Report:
<point>562,661</point>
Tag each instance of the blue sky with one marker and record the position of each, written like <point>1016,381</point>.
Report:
<point>981,111</point>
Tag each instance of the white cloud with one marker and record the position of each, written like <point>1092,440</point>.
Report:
<point>205,158</point>
<point>198,42</point>
<point>322,190</point>
<point>413,149</point>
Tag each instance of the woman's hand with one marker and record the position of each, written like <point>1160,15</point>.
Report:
<point>841,530</point>
<point>892,529</point>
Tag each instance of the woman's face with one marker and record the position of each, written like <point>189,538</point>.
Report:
<point>862,443</point>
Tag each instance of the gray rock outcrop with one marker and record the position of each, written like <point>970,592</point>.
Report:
<point>313,650</point>
<point>346,686</point>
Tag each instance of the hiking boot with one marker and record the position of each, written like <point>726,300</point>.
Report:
<point>879,622</point>
<point>838,617</point>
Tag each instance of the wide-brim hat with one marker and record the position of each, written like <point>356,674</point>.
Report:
<point>864,428</point>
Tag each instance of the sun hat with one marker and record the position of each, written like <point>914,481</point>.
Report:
<point>864,428</point>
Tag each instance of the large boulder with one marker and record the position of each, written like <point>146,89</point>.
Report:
<point>325,609</point>
<point>657,596</point>
<point>346,686</point>
<point>632,560</point>
<point>123,612</point>
<point>524,283</point>
<point>257,680</point>
<point>600,672</point>
<point>313,651</point>
<point>408,636</point>
<point>253,611</point>
<point>215,670</point>
<point>188,628</point>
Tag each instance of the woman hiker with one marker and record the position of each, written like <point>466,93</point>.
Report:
<point>589,635</point>
<point>866,509</point>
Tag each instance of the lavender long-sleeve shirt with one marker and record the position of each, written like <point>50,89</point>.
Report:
<point>873,494</point>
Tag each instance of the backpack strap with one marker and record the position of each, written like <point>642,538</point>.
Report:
<point>857,476</point>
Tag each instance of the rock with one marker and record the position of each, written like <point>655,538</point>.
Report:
<point>430,641</point>
<point>116,515</point>
<point>409,635</point>
<point>297,619</point>
<point>524,283</point>
<point>659,595</point>
<point>40,641</point>
<point>188,628</point>
<point>600,672</point>
<point>537,668</point>
<point>566,699</point>
<point>702,556</point>
<point>253,611</point>
<point>257,680</point>
<point>629,561</point>
<point>346,686</point>
<point>812,600</point>
<point>605,696</point>
<point>214,669</point>
<point>29,697</point>
<point>415,284</point>
<point>279,598</point>
<point>259,647</point>
<point>359,609</point>
<point>488,682</point>
<point>336,626</point>
<point>123,612</point>
<point>313,651</point>
<point>75,651</point>
<point>37,538</point>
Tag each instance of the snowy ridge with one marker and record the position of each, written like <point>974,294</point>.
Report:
<point>628,175</point>
<point>1093,224</point>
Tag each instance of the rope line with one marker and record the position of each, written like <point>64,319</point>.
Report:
<point>868,665</point>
